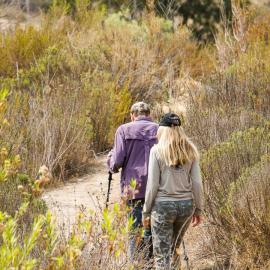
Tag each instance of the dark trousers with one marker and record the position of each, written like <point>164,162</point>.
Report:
<point>144,248</point>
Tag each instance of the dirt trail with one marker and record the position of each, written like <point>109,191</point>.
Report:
<point>90,192</point>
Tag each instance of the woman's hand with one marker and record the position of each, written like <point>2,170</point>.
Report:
<point>146,222</point>
<point>196,220</point>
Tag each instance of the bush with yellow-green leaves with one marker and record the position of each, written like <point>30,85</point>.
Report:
<point>72,81</point>
<point>99,242</point>
<point>230,123</point>
<point>65,88</point>
<point>29,238</point>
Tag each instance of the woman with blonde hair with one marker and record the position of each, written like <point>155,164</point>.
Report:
<point>174,194</point>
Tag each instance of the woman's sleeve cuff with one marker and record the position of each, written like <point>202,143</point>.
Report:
<point>198,212</point>
<point>146,215</point>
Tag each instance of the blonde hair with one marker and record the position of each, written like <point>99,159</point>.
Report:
<point>174,147</point>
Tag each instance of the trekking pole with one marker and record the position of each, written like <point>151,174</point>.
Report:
<point>109,188</point>
<point>185,255</point>
<point>186,258</point>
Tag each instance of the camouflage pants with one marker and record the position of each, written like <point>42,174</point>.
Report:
<point>169,222</point>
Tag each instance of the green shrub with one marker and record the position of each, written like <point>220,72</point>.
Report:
<point>98,240</point>
<point>224,162</point>
<point>67,69</point>
<point>243,224</point>
<point>70,84</point>
<point>228,118</point>
<point>20,49</point>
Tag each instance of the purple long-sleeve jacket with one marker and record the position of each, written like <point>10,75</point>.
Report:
<point>131,150</point>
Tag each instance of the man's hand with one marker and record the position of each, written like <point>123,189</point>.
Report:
<point>196,220</point>
<point>146,222</point>
<point>110,154</point>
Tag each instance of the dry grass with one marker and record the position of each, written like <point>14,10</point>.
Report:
<point>72,81</point>
<point>91,70</point>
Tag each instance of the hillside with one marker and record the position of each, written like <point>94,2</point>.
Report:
<point>67,80</point>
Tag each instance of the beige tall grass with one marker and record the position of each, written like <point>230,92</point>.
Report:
<point>72,81</point>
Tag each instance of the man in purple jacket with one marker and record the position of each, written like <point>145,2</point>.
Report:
<point>131,150</point>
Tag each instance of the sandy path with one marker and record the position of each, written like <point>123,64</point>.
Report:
<point>86,192</point>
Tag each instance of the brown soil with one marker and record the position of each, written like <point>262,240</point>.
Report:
<point>89,192</point>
